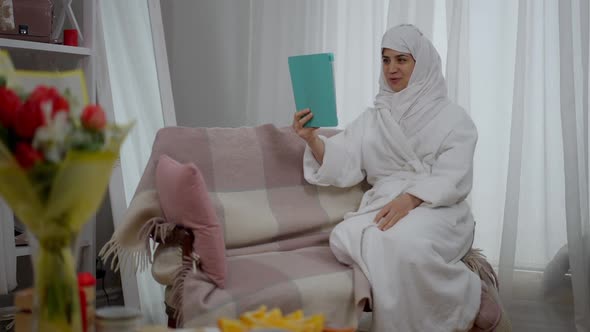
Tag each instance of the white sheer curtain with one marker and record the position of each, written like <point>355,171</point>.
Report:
<point>134,84</point>
<point>574,47</point>
<point>280,28</point>
<point>521,69</point>
<point>7,250</point>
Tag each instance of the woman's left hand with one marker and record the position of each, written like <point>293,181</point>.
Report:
<point>395,210</point>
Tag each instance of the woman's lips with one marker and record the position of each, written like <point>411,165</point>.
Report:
<point>394,80</point>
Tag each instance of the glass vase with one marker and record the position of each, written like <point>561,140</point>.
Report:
<point>56,305</point>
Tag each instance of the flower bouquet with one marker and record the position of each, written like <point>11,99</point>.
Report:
<point>56,158</point>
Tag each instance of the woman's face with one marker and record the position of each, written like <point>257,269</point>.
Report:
<point>397,68</point>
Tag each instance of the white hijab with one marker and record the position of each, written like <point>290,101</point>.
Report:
<point>426,93</point>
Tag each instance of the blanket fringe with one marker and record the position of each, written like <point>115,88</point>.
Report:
<point>157,228</point>
<point>139,257</point>
<point>189,264</point>
<point>476,262</point>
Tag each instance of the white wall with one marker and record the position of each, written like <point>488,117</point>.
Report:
<point>198,45</point>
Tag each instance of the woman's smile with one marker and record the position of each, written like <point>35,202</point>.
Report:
<point>395,80</point>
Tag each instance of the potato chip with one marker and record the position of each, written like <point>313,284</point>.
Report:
<point>262,318</point>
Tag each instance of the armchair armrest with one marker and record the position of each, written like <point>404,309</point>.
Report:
<point>184,238</point>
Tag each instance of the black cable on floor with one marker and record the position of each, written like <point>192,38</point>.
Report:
<point>105,292</point>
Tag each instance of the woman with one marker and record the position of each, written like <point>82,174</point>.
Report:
<point>412,228</point>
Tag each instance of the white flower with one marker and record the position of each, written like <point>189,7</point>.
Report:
<point>51,138</point>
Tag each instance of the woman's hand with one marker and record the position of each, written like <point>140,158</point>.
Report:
<point>299,119</point>
<point>309,134</point>
<point>395,210</point>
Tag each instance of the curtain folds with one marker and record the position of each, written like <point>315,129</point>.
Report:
<point>135,92</point>
<point>352,30</point>
<point>524,79</point>
<point>574,74</point>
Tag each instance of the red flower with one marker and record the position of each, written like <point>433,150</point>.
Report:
<point>93,118</point>
<point>30,116</point>
<point>60,104</point>
<point>26,155</point>
<point>43,94</point>
<point>9,104</point>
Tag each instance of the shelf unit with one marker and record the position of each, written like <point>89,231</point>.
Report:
<point>83,57</point>
<point>43,47</point>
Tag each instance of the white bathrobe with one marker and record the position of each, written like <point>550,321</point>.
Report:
<point>424,148</point>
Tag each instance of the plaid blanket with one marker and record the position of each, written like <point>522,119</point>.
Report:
<point>276,227</point>
<point>308,278</point>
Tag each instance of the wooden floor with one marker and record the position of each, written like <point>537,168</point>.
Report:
<point>530,311</point>
<point>365,322</point>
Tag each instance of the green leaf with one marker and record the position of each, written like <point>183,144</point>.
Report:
<point>42,175</point>
<point>86,140</point>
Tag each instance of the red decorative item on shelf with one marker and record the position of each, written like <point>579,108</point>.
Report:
<point>85,279</point>
<point>71,37</point>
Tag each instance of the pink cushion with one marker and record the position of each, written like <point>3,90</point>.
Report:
<point>185,201</point>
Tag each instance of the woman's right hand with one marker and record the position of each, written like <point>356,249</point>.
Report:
<point>301,118</point>
<point>309,134</point>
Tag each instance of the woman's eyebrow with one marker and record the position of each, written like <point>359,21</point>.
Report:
<point>400,56</point>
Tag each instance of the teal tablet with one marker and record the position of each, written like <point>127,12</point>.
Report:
<point>312,77</point>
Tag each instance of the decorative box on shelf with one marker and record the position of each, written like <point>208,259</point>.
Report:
<point>32,20</point>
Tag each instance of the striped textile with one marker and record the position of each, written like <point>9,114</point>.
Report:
<point>276,227</point>
<point>308,278</point>
<point>255,178</point>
